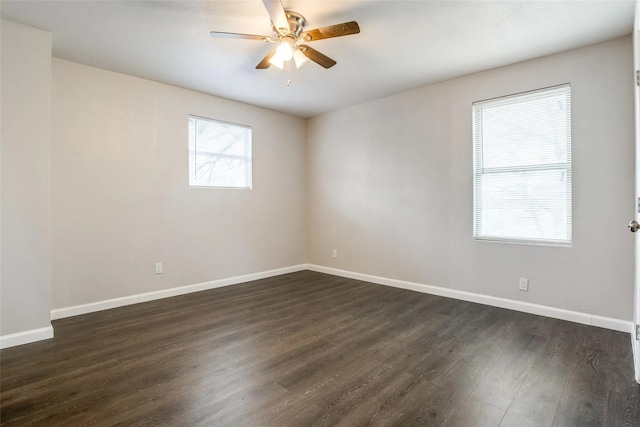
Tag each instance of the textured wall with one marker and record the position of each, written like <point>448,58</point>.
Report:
<point>26,136</point>
<point>120,195</point>
<point>390,187</point>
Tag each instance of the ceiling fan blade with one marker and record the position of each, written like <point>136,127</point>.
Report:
<point>222,34</point>
<point>337,30</point>
<point>264,64</point>
<point>317,57</point>
<point>277,14</point>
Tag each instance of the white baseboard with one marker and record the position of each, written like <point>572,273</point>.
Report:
<point>542,310</point>
<point>26,337</point>
<point>635,346</point>
<point>60,313</point>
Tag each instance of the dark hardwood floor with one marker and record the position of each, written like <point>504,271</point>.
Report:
<point>309,349</point>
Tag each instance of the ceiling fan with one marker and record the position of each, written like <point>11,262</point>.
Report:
<point>288,32</point>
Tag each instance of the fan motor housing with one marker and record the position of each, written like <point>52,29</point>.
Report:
<point>296,23</point>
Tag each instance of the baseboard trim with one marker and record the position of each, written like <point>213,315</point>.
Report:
<point>26,337</point>
<point>542,310</point>
<point>635,347</point>
<point>60,313</point>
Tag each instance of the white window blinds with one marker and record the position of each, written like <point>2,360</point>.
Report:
<point>522,167</point>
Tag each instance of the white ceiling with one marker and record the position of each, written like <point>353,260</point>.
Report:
<point>402,44</point>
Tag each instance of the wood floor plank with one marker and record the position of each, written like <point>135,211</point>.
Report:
<point>308,348</point>
<point>385,393</point>
<point>537,401</point>
<point>468,413</point>
<point>623,391</point>
<point>502,382</point>
<point>585,397</point>
<point>622,409</point>
<point>401,403</point>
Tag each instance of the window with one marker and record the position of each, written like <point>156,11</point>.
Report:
<point>522,167</point>
<point>219,154</point>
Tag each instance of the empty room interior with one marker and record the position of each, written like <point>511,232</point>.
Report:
<point>296,213</point>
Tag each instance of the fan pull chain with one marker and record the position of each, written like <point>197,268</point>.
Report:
<point>289,73</point>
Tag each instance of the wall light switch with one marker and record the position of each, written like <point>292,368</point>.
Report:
<point>158,268</point>
<point>334,254</point>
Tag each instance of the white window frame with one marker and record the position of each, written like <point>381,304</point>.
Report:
<point>479,171</point>
<point>246,158</point>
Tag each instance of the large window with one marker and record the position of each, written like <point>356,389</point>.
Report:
<point>522,167</point>
<point>219,154</point>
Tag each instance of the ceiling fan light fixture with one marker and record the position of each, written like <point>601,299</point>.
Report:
<point>299,58</point>
<point>276,61</point>
<point>284,51</point>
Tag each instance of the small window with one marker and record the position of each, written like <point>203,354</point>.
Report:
<point>219,154</point>
<point>522,167</point>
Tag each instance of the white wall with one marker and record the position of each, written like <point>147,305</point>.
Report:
<point>390,187</point>
<point>25,278</point>
<point>120,195</point>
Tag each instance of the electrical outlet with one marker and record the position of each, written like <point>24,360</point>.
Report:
<point>334,254</point>
<point>523,285</point>
<point>158,268</point>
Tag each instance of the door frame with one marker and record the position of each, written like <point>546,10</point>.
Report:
<point>636,311</point>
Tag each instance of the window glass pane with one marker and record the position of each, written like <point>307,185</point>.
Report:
<point>219,154</point>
